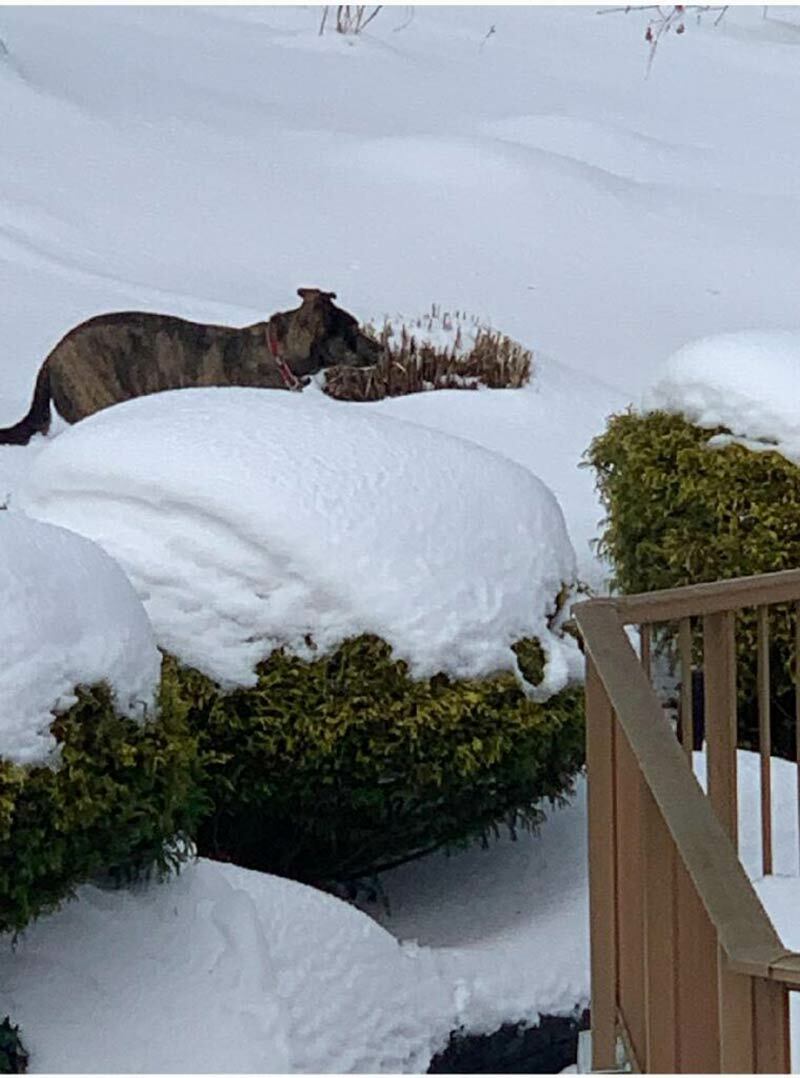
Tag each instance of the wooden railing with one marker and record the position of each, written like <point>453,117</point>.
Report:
<point>687,969</point>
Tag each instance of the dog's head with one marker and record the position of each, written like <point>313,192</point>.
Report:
<point>319,334</point>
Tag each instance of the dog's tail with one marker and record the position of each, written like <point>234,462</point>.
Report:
<point>37,421</point>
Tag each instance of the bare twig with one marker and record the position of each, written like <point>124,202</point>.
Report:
<point>667,17</point>
<point>491,31</point>
<point>408,21</point>
<point>368,20</point>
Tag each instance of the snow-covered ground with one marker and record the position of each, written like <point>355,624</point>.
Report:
<point>227,970</point>
<point>206,161</point>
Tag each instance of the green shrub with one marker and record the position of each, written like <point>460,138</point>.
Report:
<point>121,801</point>
<point>333,769</point>
<point>13,1057</point>
<point>680,512</point>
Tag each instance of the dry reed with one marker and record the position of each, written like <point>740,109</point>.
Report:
<point>412,366</point>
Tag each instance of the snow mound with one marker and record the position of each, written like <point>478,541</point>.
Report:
<point>748,382</point>
<point>222,970</point>
<point>69,616</point>
<point>248,520</point>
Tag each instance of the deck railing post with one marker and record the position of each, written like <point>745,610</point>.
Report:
<point>719,665</point>
<point>600,753</point>
<point>771,1027</point>
<point>736,1033</point>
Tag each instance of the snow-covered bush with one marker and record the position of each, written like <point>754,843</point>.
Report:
<point>90,781</point>
<point>342,592</point>
<point>335,768</point>
<point>705,486</point>
<point>441,350</point>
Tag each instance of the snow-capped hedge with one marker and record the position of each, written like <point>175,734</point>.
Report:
<point>336,768</point>
<point>249,520</point>
<point>702,486</point>
<point>69,616</point>
<point>89,781</point>
<point>367,595</point>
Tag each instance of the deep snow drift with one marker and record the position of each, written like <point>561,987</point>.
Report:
<point>222,970</point>
<point>207,161</point>
<point>746,382</point>
<point>229,970</point>
<point>249,519</point>
<point>68,616</point>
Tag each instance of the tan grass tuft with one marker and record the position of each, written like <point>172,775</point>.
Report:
<point>412,366</point>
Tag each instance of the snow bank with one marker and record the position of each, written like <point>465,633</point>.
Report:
<point>222,970</point>
<point>748,382</point>
<point>69,616</point>
<point>248,520</point>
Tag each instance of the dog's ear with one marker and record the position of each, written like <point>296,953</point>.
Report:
<point>308,295</point>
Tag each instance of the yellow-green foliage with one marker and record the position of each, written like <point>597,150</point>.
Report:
<point>121,801</point>
<point>681,512</point>
<point>332,769</point>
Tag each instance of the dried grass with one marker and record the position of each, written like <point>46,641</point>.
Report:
<point>412,366</point>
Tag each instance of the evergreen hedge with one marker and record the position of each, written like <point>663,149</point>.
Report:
<point>123,799</point>
<point>681,512</point>
<point>333,769</point>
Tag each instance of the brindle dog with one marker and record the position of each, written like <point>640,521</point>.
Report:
<point>114,357</point>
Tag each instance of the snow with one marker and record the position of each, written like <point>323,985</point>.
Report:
<point>746,382</point>
<point>205,162</point>
<point>545,426</point>
<point>69,617</point>
<point>226,970</point>
<point>230,970</point>
<point>249,520</point>
<point>221,970</point>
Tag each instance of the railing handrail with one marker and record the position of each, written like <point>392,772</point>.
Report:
<point>715,597</point>
<point>744,930</point>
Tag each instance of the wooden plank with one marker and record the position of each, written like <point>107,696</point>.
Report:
<point>771,1025</point>
<point>797,715</point>
<point>719,667</point>
<point>672,604</point>
<point>736,1015</point>
<point>661,943</point>
<point>698,1011</point>
<point>745,931</point>
<point>764,738</point>
<point>687,703</point>
<point>600,757</point>
<point>645,633</point>
<point>630,895</point>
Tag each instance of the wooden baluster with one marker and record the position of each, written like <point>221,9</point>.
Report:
<point>698,1010</point>
<point>719,662</point>
<point>797,715</point>
<point>661,943</point>
<point>645,636</point>
<point>771,1020</point>
<point>601,768</point>
<point>764,738</point>
<point>687,703</point>
<point>736,1017</point>
<point>630,790</point>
